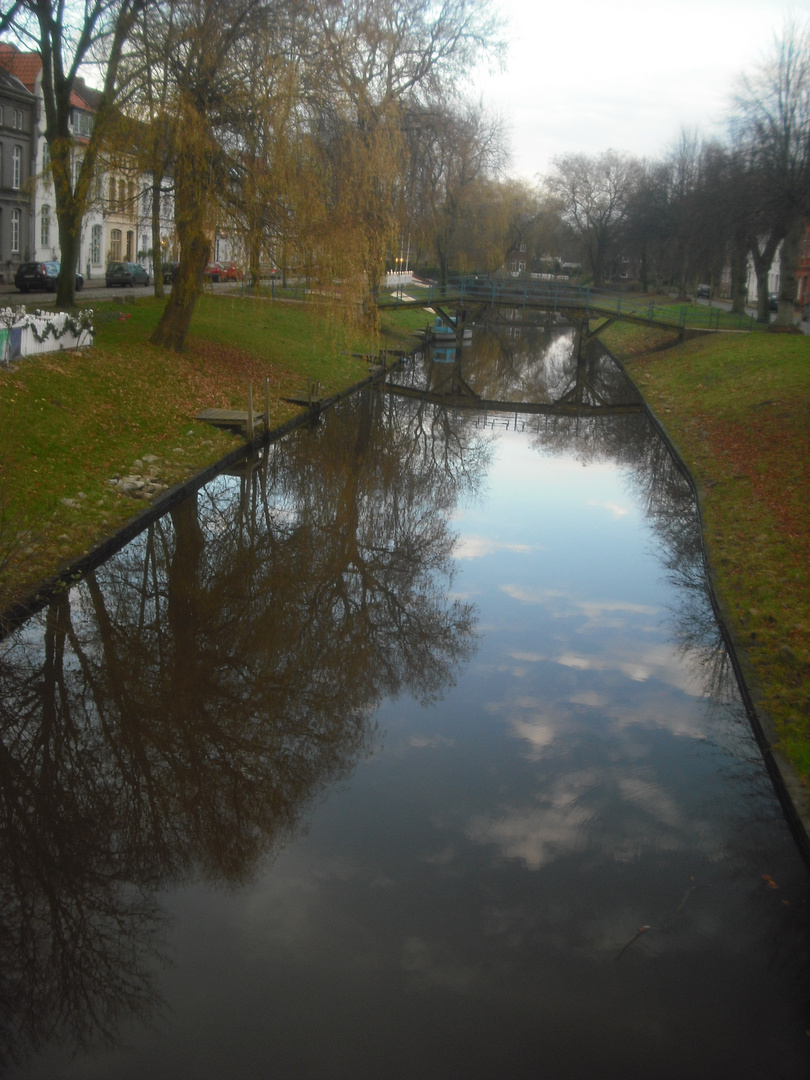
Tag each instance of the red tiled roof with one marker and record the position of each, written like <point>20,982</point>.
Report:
<point>26,67</point>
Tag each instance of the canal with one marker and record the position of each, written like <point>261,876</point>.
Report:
<point>410,749</point>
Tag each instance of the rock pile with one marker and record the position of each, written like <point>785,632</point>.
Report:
<point>144,480</point>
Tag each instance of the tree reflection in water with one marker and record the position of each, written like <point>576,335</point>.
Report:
<point>523,355</point>
<point>174,715</point>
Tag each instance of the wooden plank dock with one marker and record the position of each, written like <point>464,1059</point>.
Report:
<point>229,418</point>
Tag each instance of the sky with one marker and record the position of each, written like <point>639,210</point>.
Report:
<point>590,75</point>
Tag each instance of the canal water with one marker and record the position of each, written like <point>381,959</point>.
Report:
<point>410,750</point>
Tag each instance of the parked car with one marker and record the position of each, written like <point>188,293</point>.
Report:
<point>170,271</point>
<point>233,272</point>
<point>41,276</point>
<point>773,301</point>
<point>126,273</point>
<point>215,271</point>
<point>704,292</point>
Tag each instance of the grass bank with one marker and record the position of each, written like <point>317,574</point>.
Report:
<point>73,421</point>
<point>737,406</point>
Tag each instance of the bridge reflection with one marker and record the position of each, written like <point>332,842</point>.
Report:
<point>514,364</point>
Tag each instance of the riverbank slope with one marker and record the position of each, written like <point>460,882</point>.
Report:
<point>77,425</point>
<point>737,408</point>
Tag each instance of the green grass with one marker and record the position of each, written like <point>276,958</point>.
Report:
<point>738,409</point>
<point>72,421</point>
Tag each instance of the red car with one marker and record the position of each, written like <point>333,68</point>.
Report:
<point>215,272</point>
<point>234,272</point>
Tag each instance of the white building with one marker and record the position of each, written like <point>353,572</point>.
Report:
<point>117,225</point>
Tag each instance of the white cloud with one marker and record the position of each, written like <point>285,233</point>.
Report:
<point>598,612</point>
<point>613,508</point>
<point>475,547</point>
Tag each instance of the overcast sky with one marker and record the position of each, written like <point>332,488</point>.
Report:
<point>589,75</point>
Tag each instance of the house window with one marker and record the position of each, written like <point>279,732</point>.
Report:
<point>82,123</point>
<point>130,245</point>
<point>112,194</point>
<point>1,114</point>
<point>95,245</point>
<point>45,226</point>
<point>18,119</point>
<point>131,197</point>
<point>16,169</point>
<point>15,231</point>
<point>46,160</point>
<point>99,187</point>
<point>115,244</point>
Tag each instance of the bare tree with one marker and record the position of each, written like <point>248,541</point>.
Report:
<point>595,191</point>
<point>66,36</point>
<point>770,127</point>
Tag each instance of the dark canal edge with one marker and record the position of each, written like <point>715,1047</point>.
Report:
<point>71,573</point>
<point>787,783</point>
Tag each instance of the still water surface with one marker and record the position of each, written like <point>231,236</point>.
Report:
<point>413,751</point>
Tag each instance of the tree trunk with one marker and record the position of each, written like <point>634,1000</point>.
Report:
<point>193,198</point>
<point>762,265</point>
<point>739,278</point>
<point>70,225</point>
<point>643,274</point>
<point>442,254</point>
<point>789,266</point>
<point>157,249</point>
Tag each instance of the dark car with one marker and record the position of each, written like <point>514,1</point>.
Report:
<point>773,301</point>
<point>126,273</point>
<point>704,292</point>
<point>40,276</point>
<point>170,270</point>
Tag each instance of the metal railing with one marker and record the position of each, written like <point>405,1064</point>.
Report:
<point>560,296</point>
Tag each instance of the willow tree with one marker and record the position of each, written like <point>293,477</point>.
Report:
<point>66,37</point>
<point>265,144</point>
<point>457,152</point>
<point>382,60</point>
<point>147,137</point>
<point>200,38</point>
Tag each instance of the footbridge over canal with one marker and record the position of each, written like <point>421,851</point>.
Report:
<point>581,302</point>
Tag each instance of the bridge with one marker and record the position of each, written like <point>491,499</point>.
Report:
<point>554,408</point>
<point>583,301</point>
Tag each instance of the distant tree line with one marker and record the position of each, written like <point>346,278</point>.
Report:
<point>329,135</point>
<point>709,204</point>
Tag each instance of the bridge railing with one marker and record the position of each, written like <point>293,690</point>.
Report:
<point>559,296</point>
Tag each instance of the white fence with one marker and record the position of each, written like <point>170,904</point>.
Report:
<point>42,333</point>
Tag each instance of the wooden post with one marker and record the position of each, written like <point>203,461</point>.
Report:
<point>250,413</point>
